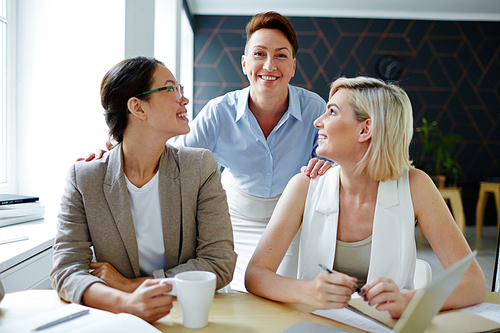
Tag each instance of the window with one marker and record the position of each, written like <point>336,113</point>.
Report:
<point>8,180</point>
<point>3,81</point>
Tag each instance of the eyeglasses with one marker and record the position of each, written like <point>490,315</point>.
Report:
<point>177,88</point>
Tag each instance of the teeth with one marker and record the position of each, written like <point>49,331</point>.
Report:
<point>180,115</point>
<point>321,136</point>
<point>269,78</point>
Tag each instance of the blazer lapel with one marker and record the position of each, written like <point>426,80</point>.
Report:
<point>386,236</point>
<point>116,194</point>
<point>171,210</point>
<point>328,204</point>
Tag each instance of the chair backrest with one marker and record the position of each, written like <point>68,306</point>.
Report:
<point>2,291</point>
<point>495,287</point>
<point>423,274</point>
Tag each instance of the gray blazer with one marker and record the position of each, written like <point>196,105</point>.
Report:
<point>95,211</point>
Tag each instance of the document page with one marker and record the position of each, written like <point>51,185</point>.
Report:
<point>304,326</point>
<point>354,319</point>
<point>487,310</point>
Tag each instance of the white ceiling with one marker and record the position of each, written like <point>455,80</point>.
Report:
<point>460,10</point>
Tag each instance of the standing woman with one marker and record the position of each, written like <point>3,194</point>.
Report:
<point>147,209</point>
<point>262,135</point>
<point>359,218</point>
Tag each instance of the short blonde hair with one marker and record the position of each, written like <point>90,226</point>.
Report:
<point>389,108</point>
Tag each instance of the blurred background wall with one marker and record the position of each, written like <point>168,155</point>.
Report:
<point>450,70</point>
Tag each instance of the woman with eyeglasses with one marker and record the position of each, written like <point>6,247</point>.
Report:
<point>146,209</point>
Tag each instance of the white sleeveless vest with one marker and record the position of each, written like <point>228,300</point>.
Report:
<point>393,251</point>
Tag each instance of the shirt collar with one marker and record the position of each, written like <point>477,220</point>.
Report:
<point>293,103</point>
<point>242,102</point>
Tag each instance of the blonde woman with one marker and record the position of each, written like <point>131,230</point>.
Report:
<point>359,219</point>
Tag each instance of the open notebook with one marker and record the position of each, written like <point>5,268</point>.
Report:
<point>97,321</point>
<point>428,301</point>
<point>424,306</point>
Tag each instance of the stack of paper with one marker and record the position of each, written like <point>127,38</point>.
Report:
<point>17,209</point>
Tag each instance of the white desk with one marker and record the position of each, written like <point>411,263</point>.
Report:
<point>26,264</point>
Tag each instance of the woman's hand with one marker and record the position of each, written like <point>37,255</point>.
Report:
<point>149,301</point>
<point>386,296</point>
<point>96,155</point>
<point>329,291</point>
<point>106,272</point>
<point>316,167</point>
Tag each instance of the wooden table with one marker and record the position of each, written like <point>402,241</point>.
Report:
<point>229,313</point>
<point>234,312</point>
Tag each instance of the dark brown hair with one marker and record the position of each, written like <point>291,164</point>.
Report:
<point>125,80</point>
<point>273,20</point>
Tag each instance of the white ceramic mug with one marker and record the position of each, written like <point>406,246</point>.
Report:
<point>195,292</point>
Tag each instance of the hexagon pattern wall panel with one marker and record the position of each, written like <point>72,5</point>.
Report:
<point>451,71</point>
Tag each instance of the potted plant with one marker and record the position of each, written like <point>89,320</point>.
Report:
<point>440,147</point>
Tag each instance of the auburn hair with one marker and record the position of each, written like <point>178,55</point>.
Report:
<point>272,20</point>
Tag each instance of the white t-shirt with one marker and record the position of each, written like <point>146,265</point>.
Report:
<point>146,213</point>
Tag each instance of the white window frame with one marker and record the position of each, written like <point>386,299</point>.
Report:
<point>8,166</point>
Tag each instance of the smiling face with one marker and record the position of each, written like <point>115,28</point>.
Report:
<point>164,113</point>
<point>268,63</point>
<point>338,130</point>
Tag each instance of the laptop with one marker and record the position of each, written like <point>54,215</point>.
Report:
<point>428,301</point>
<point>9,199</point>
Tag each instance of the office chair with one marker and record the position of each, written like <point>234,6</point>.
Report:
<point>495,287</point>
<point>423,274</point>
<point>2,291</point>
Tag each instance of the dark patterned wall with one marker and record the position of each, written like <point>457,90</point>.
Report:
<point>451,73</point>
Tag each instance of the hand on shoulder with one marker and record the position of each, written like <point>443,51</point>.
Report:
<point>97,155</point>
<point>316,167</point>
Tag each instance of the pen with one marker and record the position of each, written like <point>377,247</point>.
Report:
<point>358,289</point>
<point>62,320</point>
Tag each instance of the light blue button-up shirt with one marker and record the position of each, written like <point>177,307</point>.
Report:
<point>259,166</point>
